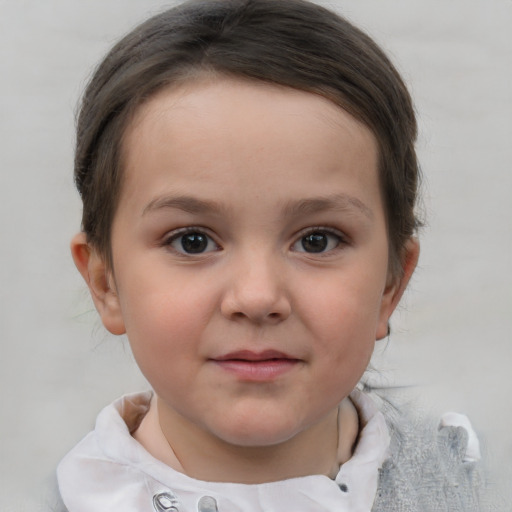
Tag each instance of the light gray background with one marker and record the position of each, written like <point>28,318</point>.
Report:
<point>452,339</point>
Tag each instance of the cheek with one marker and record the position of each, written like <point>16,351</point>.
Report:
<point>344,330</point>
<point>342,306</point>
<point>343,317</point>
<point>164,324</point>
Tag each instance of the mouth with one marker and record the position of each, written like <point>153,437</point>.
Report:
<point>251,366</point>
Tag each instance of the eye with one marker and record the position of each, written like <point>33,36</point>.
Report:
<point>318,241</point>
<point>191,242</point>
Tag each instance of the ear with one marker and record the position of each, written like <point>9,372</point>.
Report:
<point>100,281</point>
<point>397,285</point>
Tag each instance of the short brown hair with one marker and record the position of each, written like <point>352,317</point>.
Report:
<point>293,43</point>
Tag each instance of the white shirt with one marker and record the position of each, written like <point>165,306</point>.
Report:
<point>110,471</point>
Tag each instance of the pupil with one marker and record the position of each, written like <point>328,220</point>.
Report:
<point>194,243</point>
<point>315,242</point>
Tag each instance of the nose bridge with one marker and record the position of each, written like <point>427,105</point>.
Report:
<point>257,285</point>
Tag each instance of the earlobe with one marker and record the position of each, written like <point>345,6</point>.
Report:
<point>397,286</point>
<point>96,274</point>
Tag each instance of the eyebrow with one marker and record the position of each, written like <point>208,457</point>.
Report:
<point>335,202</point>
<point>185,203</point>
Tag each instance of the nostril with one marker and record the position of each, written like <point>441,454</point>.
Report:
<point>256,305</point>
<point>257,317</point>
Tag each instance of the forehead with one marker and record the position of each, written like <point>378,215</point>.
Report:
<point>225,97</point>
<point>243,132</point>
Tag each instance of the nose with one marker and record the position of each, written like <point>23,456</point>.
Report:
<point>257,291</point>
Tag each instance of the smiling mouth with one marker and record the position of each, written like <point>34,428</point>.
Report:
<point>256,366</point>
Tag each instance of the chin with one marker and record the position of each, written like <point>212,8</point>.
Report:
<point>257,432</point>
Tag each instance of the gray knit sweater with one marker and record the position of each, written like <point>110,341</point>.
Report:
<point>427,472</point>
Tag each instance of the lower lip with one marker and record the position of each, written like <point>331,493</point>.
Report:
<point>258,371</point>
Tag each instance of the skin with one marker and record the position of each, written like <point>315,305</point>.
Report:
<point>251,171</point>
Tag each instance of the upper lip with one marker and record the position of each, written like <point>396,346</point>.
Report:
<point>250,355</point>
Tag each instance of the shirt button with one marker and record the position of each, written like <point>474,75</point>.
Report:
<point>207,504</point>
<point>165,502</point>
<point>343,487</point>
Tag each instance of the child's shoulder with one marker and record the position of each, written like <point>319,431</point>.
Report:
<point>432,465</point>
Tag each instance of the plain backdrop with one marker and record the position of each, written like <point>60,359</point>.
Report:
<point>451,343</point>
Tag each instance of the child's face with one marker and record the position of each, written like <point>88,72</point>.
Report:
<point>250,257</point>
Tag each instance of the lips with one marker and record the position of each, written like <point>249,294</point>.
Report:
<point>264,366</point>
<point>249,355</point>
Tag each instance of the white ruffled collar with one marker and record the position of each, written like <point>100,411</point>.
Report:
<point>109,470</point>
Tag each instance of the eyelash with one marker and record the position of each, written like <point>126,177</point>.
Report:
<point>341,240</point>
<point>176,235</point>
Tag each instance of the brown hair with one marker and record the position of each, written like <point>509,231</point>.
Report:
<point>288,42</point>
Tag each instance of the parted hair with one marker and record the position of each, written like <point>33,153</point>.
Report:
<point>293,43</point>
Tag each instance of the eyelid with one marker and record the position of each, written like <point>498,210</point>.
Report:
<point>323,229</point>
<point>175,234</point>
<point>343,238</point>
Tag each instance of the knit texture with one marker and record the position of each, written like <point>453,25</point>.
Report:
<point>426,471</point>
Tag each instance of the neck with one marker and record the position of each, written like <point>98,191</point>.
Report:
<point>317,450</point>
